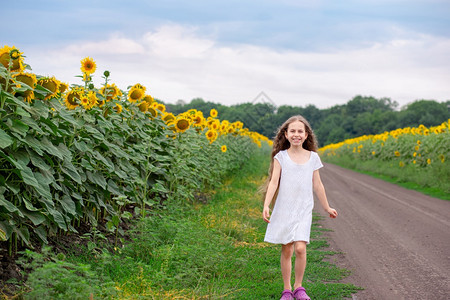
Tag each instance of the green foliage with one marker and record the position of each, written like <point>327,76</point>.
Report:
<point>212,250</point>
<point>420,156</point>
<point>359,116</point>
<point>61,167</point>
<point>54,278</point>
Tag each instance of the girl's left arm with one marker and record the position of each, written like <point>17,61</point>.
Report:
<point>319,189</point>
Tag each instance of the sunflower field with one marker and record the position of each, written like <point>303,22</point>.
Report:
<point>416,154</point>
<point>79,154</point>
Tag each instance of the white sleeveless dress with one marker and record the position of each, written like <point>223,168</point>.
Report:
<point>292,213</point>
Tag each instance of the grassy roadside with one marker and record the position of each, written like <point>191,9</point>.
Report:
<point>209,250</point>
<point>408,177</point>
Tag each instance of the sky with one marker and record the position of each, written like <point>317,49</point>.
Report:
<point>298,52</point>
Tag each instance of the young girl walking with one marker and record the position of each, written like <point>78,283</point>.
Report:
<point>293,176</point>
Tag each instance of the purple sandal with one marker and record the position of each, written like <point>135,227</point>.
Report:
<point>287,295</point>
<point>300,294</point>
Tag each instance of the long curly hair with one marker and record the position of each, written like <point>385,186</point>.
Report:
<point>281,143</point>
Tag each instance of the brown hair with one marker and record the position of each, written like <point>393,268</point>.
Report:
<point>281,143</point>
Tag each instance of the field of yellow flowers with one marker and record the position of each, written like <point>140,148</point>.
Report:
<point>416,154</point>
<point>72,154</point>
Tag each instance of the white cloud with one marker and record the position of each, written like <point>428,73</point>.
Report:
<point>174,62</point>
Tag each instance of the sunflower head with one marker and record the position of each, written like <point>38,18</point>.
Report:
<point>213,113</point>
<point>12,56</point>
<point>161,107</point>
<point>143,106</point>
<point>84,100</point>
<point>139,86</point>
<point>135,94</point>
<point>168,117</point>
<point>118,108</point>
<point>63,87</point>
<point>215,125</point>
<point>223,148</point>
<point>110,91</point>
<point>92,100</point>
<point>30,80</point>
<point>27,78</point>
<point>149,99</point>
<point>211,135</point>
<point>50,83</point>
<point>88,66</point>
<point>181,124</point>
<point>197,120</point>
<point>73,97</point>
<point>153,112</point>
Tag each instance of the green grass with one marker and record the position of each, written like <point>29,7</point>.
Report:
<point>212,251</point>
<point>432,181</point>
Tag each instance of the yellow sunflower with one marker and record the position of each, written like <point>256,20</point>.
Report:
<point>13,55</point>
<point>63,87</point>
<point>182,124</point>
<point>139,86</point>
<point>110,92</point>
<point>93,100</point>
<point>224,148</point>
<point>211,135</point>
<point>213,113</point>
<point>152,111</point>
<point>51,84</point>
<point>161,107</point>
<point>84,100</point>
<point>118,108</point>
<point>135,94</point>
<point>149,99</point>
<point>72,98</point>
<point>88,66</point>
<point>28,79</point>
<point>168,117</point>
<point>143,106</point>
<point>215,125</point>
<point>198,120</point>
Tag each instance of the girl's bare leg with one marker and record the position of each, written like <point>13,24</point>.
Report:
<point>300,263</point>
<point>286,264</point>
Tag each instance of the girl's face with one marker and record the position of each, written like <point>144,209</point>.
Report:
<point>296,133</point>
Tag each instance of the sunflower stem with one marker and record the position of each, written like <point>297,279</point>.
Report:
<point>8,77</point>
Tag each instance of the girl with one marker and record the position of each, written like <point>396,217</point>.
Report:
<point>293,175</point>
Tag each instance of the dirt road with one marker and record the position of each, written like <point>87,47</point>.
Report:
<point>395,241</point>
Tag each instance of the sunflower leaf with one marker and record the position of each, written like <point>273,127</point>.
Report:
<point>5,139</point>
<point>7,205</point>
<point>18,127</point>
<point>41,233</point>
<point>36,217</point>
<point>24,234</point>
<point>58,218</point>
<point>37,161</point>
<point>50,148</point>
<point>68,205</point>
<point>97,178</point>
<point>39,109</point>
<point>32,123</point>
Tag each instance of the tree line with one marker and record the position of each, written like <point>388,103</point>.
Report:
<point>361,115</point>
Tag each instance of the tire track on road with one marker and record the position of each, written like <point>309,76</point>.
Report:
<point>396,241</point>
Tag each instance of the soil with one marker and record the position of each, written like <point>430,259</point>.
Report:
<point>395,241</point>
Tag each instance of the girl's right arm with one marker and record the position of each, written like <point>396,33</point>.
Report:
<point>271,189</point>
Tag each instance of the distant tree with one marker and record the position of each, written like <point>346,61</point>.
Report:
<point>359,116</point>
<point>426,112</point>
